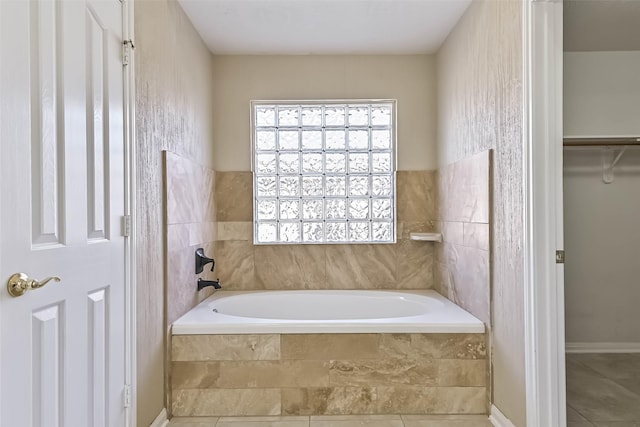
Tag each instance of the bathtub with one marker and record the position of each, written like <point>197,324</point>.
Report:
<point>326,311</point>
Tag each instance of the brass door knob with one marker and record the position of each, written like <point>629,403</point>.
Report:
<point>20,283</point>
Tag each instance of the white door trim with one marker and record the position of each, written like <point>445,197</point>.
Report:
<point>544,283</point>
<point>130,209</point>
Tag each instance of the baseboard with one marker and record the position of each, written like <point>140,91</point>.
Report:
<point>602,347</point>
<point>161,420</point>
<point>498,419</point>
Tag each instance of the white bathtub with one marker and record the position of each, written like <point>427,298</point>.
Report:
<point>326,311</point>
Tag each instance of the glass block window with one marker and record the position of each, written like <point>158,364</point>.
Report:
<point>324,172</point>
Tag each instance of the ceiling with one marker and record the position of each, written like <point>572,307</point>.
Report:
<point>601,25</point>
<point>302,27</point>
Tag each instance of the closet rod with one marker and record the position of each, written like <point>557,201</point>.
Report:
<point>601,142</point>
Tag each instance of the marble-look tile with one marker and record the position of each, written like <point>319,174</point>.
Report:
<point>462,373</point>
<point>254,374</point>
<point>613,424</point>
<point>225,347</point>
<point>446,421</point>
<point>234,196</point>
<point>416,197</point>
<point>290,267</point>
<point>452,232</point>
<point>367,422</point>
<point>431,400</point>
<point>622,368</point>
<point>235,265</point>
<point>269,419</point>
<point>189,191</point>
<point>330,346</point>
<point>263,422</point>
<point>437,346</point>
<point>328,400</point>
<point>414,265</point>
<point>193,421</point>
<point>383,372</point>
<point>355,417</point>
<point>235,230</point>
<point>579,424</point>
<point>476,235</point>
<point>573,415</point>
<point>598,398</point>
<point>463,190</point>
<point>406,228</point>
<point>219,402</point>
<point>441,277</point>
<point>360,266</point>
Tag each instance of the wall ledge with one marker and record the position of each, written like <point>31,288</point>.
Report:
<point>498,419</point>
<point>161,420</point>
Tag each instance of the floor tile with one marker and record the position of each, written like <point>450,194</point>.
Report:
<point>353,417</point>
<point>618,424</point>
<point>573,415</point>
<point>263,422</point>
<point>193,422</point>
<point>357,422</point>
<point>446,421</point>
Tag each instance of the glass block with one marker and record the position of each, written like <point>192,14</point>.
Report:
<point>266,140</point>
<point>336,209</point>
<point>336,186</point>
<point>266,163</point>
<point>381,139</point>
<point>312,232</point>
<point>266,186</point>
<point>358,208</point>
<point>288,116</point>
<point>312,186</point>
<point>359,116</point>
<point>312,116</point>
<point>381,231</point>
<point>312,209</point>
<point>266,209</point>
<point>358,163</point>
<point>289,209</point>
<point>381,162</point>
<point>380,116</point>
<point>381,208</point>
<point>358,231</point>
<point>267,232</point>
<point>358,185</point>
<point>334,116</point>
<point>335,140</point>
<point>312,140</point>
<point>381,185</point>
<point>265,116</point>
<point>358,140</point>
<point>336,231</point>
<point>336,163</point>
<point>312,162</point>
<point>289,231</point>
<point>288,163</point>
<point>289,186</point>
<point>288,140</point>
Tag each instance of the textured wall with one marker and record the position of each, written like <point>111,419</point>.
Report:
<point>173,111</point>
<point>405,265</point>
<point>328,374</point>
<point>408,78</point>
<point>480,107</point>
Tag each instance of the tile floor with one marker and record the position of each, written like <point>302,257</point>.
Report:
<point>338,421</point>
<point>603,390</point>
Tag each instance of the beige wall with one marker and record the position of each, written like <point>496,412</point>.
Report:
<point>409,79</point>
<point>480,107</point>
<point>173,111</point>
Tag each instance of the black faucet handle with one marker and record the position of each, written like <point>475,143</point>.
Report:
<point>202,260</point>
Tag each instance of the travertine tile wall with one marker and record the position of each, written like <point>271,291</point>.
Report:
<point>328,374</point>
<point>462,267</point>
<point>190,224</point>
<point>404,265</point>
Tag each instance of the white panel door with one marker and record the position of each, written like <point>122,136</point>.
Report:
<point>62,194</point>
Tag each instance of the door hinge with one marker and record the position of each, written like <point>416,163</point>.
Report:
<point>126,225</point>
<point>127,395</point>
<point>127,47</point>
<point>559,257</point>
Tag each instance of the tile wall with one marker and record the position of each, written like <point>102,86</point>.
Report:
<point>328,374</point>
<point>404,265</point>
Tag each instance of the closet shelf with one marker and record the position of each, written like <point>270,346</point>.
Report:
<point>426,237</point>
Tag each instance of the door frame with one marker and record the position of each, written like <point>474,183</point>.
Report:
<point>542,157</point>
<point>130,210</point>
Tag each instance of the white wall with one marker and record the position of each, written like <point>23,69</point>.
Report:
<point>408,78</point>
<point>602,221</point>
<point>602,93</point>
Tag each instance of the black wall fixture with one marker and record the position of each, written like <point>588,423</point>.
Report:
<point>202,260</point>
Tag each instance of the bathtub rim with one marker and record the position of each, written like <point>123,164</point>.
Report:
<point>451,319</point>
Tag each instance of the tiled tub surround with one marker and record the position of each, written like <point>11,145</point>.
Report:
<point>404,265</point>
<point>328,374</point>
